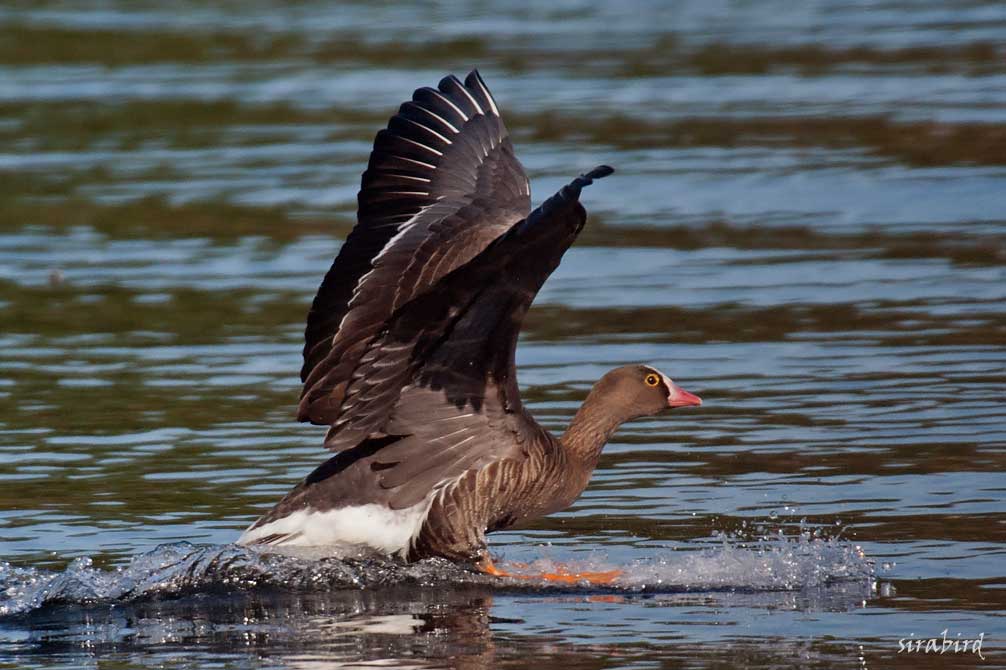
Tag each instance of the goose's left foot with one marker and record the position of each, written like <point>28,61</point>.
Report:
<point>562,575</point>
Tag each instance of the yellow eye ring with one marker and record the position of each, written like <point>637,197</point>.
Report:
<point>651,380</point>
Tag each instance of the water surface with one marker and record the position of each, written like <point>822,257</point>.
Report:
<point>806,227</point>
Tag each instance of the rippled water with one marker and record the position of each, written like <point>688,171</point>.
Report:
<point>806,228</point>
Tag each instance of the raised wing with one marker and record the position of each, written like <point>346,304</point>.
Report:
<point>441,184</point>
<point>441,373</point>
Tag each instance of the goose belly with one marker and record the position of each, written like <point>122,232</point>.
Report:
<point>377,527</point>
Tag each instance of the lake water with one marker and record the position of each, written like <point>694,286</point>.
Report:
<point>807,227</point>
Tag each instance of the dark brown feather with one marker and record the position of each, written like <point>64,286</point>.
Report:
<point>442,374</point>
<point>423,204</point>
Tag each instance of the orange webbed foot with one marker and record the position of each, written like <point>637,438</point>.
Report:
<point>595,578</point>
<point>563,575</point>
<point>486,566</point>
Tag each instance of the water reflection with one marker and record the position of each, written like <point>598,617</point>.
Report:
<point>401,627</point>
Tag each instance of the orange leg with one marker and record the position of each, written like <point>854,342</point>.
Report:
<point>564,576</point>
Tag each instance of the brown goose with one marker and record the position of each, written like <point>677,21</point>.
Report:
<point>410,341</point>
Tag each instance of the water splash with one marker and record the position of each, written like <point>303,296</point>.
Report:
<point>183,568</point>
<point>773,562</point>
<point>777,563</point>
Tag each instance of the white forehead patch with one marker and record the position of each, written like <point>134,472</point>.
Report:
<point>667,380</point>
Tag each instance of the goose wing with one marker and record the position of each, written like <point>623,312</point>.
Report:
<point>440,377</point>
<point>441,184</point>
<point>412,336</point>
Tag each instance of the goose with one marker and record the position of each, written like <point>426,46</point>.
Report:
<point>409,352</point>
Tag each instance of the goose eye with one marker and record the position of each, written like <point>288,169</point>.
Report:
<point>652,380</point>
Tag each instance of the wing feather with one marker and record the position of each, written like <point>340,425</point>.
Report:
<point>438,172</point>
<point>442,374</point>
<point>412,335</point>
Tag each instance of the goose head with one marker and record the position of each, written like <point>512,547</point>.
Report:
<point>634,391</point>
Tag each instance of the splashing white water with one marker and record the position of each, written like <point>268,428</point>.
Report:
<point>772,564</point>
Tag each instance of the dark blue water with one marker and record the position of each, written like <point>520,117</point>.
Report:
<point>805,228</point>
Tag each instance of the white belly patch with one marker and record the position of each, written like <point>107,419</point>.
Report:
<point>378,527</point>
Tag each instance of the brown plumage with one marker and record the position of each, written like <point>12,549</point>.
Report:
<point>410,342</point>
